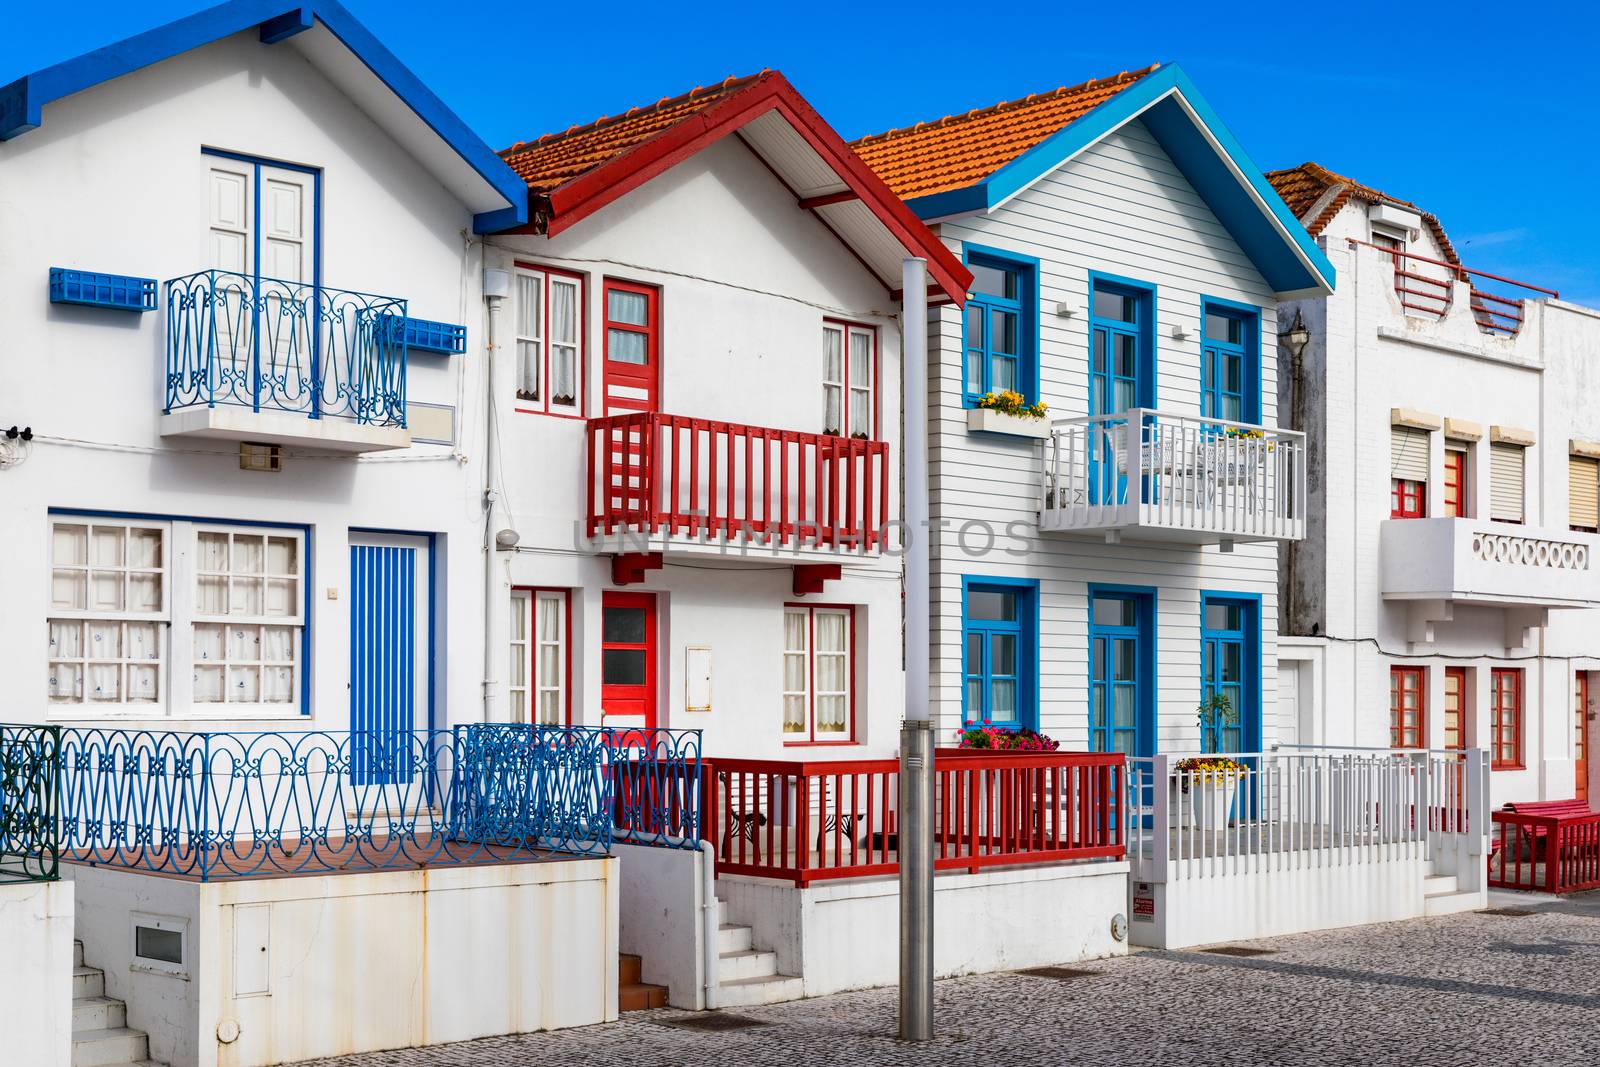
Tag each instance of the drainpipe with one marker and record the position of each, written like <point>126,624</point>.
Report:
<point>496,285</point>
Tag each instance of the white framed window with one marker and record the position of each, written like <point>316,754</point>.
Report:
<point>108,614</point>
<point>540,656</point>
<point>849,380</point>
<point>129,598</point>
<point>818,667</point>
<point>247,616</point>
<point>549,325</point>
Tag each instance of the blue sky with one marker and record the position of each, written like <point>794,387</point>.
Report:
<point>1487,117</point>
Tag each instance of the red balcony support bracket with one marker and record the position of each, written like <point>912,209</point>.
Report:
<point>627,568</point>
<point>810,577</point>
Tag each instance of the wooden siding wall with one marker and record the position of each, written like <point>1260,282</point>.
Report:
<point>1122,207</point>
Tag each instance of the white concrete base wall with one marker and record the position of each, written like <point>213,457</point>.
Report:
<point>327,965</point>
<point>1245,907</point>
<point>36,975</point>
<point>845,935</point>
<point>662,920</point>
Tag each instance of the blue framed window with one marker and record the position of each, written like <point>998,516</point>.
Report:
<point>1121,670</point>
<point>1122,367</point>
<point>999,652</point>
<point>1230,667</point>
<point>1230,361</point>
<point>1000,330</point>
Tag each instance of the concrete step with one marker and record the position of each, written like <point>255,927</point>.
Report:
<point>77,953</point>
<point>1451,903</point>
<point>722,912</point>
<point>88,982</point>
<point>751,963</point>
<point>1439,884</point>
<point>640,996</point>
<point>112,1047</point>
<point>733,938</point>
<point>98,1013</point>
<point>765,989</point>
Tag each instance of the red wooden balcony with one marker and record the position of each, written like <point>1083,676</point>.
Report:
<point>660,482</point>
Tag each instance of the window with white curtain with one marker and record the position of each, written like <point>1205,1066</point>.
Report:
<point>539,656</point>
<point>549,340</point>
<point>131,597</point>
<point>849,372</point>
<point>818,654</point>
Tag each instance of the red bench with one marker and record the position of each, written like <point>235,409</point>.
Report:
<point>1555,809</point>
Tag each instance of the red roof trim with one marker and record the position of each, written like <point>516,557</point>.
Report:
<point>588,193</point>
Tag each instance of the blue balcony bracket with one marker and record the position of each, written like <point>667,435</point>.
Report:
<point>89,289</point>
<point>425,336</point>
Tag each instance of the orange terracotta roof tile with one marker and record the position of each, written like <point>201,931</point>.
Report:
<point>557,158</point>
<point>961,150</point>
<point>1304,186</point>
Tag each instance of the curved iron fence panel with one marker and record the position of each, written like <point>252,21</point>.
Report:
<point>30,839</point>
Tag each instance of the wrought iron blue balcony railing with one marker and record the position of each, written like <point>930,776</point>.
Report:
<point>657,788</point>
<point>30,831</point>
<point>272,345</point>
<point>236,805</point>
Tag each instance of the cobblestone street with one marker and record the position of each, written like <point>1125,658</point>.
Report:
<point>1476,988</point>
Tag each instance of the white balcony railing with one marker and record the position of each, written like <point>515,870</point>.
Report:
<point>1479,561</point>
<point>1173,477</point>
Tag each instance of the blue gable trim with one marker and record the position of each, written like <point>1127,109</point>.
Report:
<point>1243,202</point>
<point>22,102</point>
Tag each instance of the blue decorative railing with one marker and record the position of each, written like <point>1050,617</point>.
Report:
<point>271,345</point>
<point>657,788</point>
<point>30,837</point>
<point>235,805</point>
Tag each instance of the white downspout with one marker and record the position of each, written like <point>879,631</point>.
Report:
<point>496,284</point>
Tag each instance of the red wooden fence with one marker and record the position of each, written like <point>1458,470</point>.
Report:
<point>653,473</point>
<point>1545,853</point>
<point>810,820</point>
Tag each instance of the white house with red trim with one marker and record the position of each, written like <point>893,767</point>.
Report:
<point>1444,596</point>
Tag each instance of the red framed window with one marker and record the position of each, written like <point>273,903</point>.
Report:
<point>1455,483</point>
<point>1505,722</point>
<point>632,347</point>
<point>1408,499</point>
<point>1455,708</point>
<point>549,340</point>
<point>1408,700</point>
<point>849,379</point>
<point>819,692</point>
<point>539,686</point>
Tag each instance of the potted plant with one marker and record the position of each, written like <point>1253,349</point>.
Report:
<point>1207,786</point>
<point>976,740</point>
<point>1006,411</point>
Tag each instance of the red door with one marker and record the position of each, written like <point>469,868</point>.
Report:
<point>628,660</point>
<point>633,348</point>
<point>1581,713</point>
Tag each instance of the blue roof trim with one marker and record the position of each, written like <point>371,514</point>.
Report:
<point>1251,210</point>
<point>22,102</point>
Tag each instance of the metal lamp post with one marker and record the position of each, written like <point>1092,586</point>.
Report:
<point>916,732</point>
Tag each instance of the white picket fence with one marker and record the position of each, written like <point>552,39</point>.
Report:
<point>1295,809</point>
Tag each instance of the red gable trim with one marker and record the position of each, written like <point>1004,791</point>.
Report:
<point>583,196</point>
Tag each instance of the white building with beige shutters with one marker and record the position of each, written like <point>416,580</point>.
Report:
<point>1443,597</point>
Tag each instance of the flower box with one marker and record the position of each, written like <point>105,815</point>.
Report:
<point>987,420</point>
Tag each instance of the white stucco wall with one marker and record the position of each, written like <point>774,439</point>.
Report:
<point>1368,356</point>
<point>115,181</point>
<point>329,965</point>
<point>36,980</point>
<point>841,935</point>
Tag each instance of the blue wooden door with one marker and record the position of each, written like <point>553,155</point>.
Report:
<point>1117,328</point>
<point>1230,642</point>
<point>388,657</point>
<point>1116,676</point>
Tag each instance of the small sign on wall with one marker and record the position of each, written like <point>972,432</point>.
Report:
<point>697,678</point>
<point>1144,902</point>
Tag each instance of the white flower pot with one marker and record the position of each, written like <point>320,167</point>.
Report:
<point>1209,803</point>
<point>987,420</point>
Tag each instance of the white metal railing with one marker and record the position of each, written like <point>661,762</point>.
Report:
<point>1296,809</point>
<point>1181,472</point>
